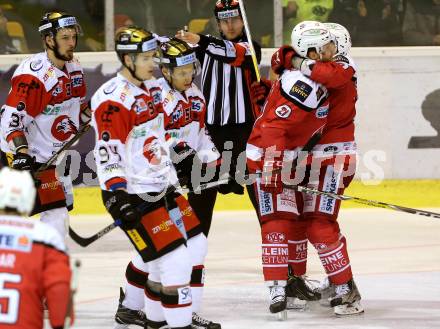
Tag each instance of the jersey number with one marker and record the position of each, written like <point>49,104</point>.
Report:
<point>9,298</point>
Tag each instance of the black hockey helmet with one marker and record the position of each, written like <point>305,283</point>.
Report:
<point>225,9</point>
<point>175,53</point>
<point>53,21</point>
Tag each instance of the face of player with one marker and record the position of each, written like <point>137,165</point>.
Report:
<point>327,53</point>
<point>144,65</point>
<point>66,40</point>
<point>182,77</point>
<point>232,27</point>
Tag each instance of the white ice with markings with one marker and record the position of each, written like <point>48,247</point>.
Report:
<point>395,258</point>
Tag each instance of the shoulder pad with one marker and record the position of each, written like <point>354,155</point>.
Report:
<point>302,91</point>
<point>39,67</point>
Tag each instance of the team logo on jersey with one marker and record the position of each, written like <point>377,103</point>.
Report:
<point>283,111</point>
<point>301,90</point>
<point>63,127</point>
<point>153,152</point>
<point>196,104</point>
<point>58,89</point>
<point>322,112</point>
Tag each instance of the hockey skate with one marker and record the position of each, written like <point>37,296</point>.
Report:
<point>278,301</point>
<point>299,290</point>
<point>347,299</point>
<point>125,316</point>
<point>327,290</point>
<point>200,323</point>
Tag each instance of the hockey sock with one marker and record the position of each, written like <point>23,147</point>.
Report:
<point>177,306</point>
<point>336,263</point>
<point>275,251</point>
<point>197,285</point>
<point>298,248</point>
<point>134,287</point>
<point>153,306</point>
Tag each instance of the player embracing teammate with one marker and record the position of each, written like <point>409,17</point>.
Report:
<point>305,135</point>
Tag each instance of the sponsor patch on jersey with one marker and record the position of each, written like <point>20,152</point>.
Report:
<point>140,106</point>
<point>110,89</point>
<point>266,203</point>
<point>283,111</point>
<point>36,65</point>
<point>275,237</point>
<point>21,106</point>
<point>52,110</point>
<point>196,105</point>
<point>330,149</point>
<point>286,201</point>
<point>77,80</point>
<point>13,239</point>
<point>331,183</point>
<point>322,112</point>
<point>301,90</point>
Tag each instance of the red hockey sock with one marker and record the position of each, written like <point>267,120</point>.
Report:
<point>298,248</point>
<point>275,251</point>
<point>336,263</point>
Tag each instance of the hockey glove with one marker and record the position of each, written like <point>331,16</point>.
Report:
<point>271,177</point>
<point>118,205</point>
<point>282,59</point>
<point>183,159</point>
<point>260,90</point>
<point>23,161</point>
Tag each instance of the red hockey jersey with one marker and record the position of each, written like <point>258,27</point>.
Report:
<point>295,110</point>
<point>33,265</point>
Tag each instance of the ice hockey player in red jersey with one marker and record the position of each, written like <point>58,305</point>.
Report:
<point>185,109</point>
<point>136,174</point>
<point>337,143</point>
<point>33,260</point>
<point>294,113</point>
<point>44,110</point>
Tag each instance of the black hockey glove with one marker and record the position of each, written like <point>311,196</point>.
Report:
<point>23,161</point>
<point>183,158</point>
<point>118,205</point>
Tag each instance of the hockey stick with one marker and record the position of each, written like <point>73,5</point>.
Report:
<point>249,37</point>
<point>85,241</point>
<point>66,146</point>
<point>367,202</point>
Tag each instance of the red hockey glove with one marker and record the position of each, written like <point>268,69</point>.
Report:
<point>282,59</point>
<point>271,177</point>
<point>260,90</point>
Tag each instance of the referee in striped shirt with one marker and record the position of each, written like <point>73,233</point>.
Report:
<point>227,74</point>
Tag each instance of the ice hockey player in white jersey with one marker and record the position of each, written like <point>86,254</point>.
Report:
<point>185,109</point>
<point>44,109</point>
<point>135,174</point>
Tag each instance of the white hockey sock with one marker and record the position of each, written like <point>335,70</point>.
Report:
<point>136,276</point>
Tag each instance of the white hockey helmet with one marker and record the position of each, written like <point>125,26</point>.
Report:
<point>310,34</point>
<point>17,191</point>
<point>342,37</point>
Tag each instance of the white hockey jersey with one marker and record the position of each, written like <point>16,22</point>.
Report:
<point>186,120</point>
<point>131,150</point>
<point>44,105</point>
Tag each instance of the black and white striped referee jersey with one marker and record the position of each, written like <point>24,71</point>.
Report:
<point>227,74</point>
